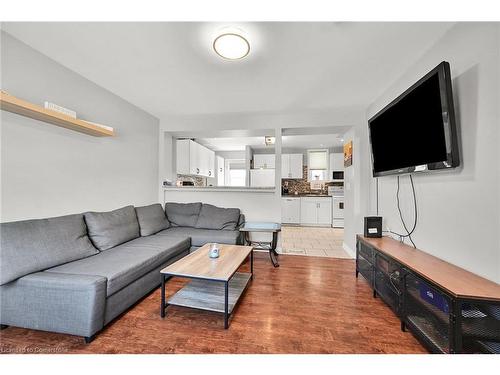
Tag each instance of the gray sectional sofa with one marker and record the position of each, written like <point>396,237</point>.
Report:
<point>74,274</point>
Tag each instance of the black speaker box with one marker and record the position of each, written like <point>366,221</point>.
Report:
<point>373,226</point>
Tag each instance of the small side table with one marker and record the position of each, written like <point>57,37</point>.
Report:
<point>273,228</point>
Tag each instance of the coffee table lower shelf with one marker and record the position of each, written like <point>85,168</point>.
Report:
<point>210,294</point>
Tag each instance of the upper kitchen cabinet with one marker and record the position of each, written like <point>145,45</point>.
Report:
<point>264,161</point>
<point>194,159</point>
<point>337,161</point>
<point>292,165</point>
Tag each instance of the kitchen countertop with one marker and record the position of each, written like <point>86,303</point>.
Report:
<point>237,189</point>
<point>306,195</point>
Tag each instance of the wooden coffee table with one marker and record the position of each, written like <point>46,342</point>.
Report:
<point>215,283</point>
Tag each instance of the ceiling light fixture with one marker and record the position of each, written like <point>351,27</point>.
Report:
<point>231,46</point>
<point>269,141</point>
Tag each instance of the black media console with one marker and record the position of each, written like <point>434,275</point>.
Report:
<point>448,309</point>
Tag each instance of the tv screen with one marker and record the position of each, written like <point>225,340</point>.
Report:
<point>416,132</point>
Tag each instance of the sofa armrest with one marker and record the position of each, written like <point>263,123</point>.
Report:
<point>55,302</point>
<point>241,221</point>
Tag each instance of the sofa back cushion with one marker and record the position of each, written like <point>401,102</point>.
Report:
<point>152,219</point>
<point>182,214</point>
<point>112,228</point>
<point>34,245</point>
<point>212,217</point>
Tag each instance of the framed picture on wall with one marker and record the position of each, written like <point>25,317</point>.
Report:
<point>348,154</point>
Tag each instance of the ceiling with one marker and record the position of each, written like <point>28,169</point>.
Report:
<point>288,141</point>
<point>170,68</point>
<point>233,143</point>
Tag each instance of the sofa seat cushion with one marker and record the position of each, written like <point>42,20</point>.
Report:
<point>112,228</point>
<point>183,214</point>
<point>200,237</point>
<point>213,217</point>
<point>128,262</point>
<point>152,219</point>
<point>34,245</point>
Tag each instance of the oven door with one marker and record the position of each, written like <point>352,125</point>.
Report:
<point>338,207</point>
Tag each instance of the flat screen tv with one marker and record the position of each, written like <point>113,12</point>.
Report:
<point>416,132</point>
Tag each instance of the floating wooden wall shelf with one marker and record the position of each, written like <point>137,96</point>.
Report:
<point>21,107</point>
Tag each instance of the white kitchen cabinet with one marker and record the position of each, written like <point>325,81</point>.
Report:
<point>220,171</point>
<point>337,161</point>
<point>211,163</point>
<point>264,161</point>
<point>325,211</point>
<point>202,159</point>
<point>262,178</point>
<point>308,211</point>
<point>194,159</point>
<point>297,165</point>
<point>316,211</point>
<point>290,210</point>
<point>285,166</point>
<point>292,165</point>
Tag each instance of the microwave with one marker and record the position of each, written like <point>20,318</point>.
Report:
<point>338,175</point>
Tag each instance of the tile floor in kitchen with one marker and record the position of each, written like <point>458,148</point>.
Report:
<point>313,241</point>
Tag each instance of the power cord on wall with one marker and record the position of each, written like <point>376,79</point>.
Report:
<point>408,232</point>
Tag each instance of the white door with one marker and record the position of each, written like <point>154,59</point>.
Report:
<point>338,212</point>
<point>220,171</point>
<point>285,166</point>
<point>290,210</point>
<point>308,211</point>
<point>325,211</point>
<point>296,165</point>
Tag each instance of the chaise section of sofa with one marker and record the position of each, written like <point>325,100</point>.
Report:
<point>64,303</point>
<point>33,299</point>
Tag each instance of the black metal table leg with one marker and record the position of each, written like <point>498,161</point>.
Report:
<point>274,244</point>
<point>162,306</point>
<point>251,264</point>
<point>272,250</point>
<point>226,305</point>
<point>274,261</point>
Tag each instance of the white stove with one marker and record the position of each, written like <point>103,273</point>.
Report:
<point>337,193</point>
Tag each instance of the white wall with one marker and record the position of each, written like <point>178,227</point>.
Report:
<point>256,206</point>
<point>356,186</point>
<point>458,210</point>
<point>47,170</point>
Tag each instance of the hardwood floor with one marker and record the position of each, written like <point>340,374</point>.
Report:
<point>307,305</point>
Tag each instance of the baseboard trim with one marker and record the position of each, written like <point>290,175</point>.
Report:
<point>348,250</point>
